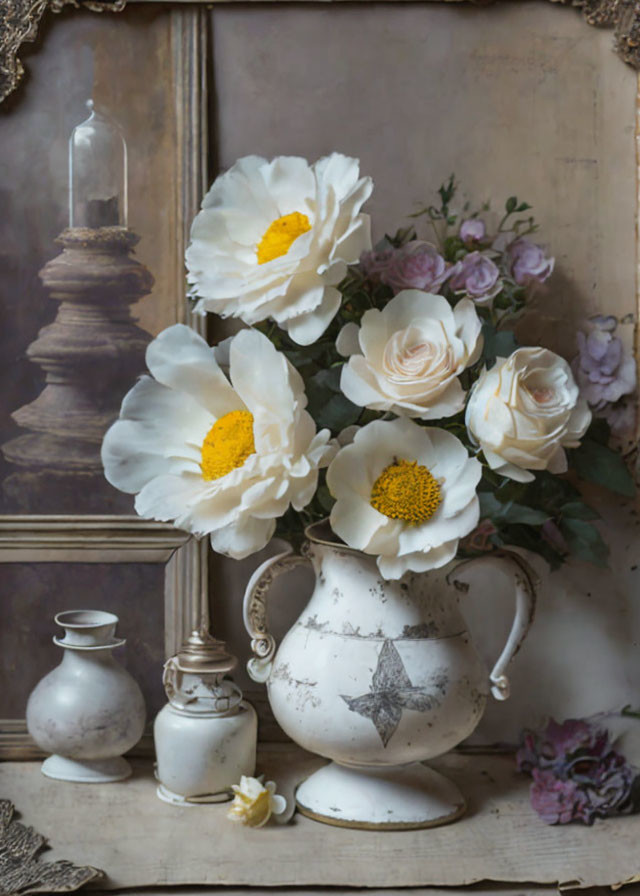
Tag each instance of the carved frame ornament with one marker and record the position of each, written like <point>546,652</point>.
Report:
<point>19,20</point>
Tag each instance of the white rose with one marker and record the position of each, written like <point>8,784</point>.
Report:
<point>407,358</point>
<point>525,411</point>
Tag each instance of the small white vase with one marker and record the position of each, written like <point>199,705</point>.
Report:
<point>88,711</point>
<point>205,737</point>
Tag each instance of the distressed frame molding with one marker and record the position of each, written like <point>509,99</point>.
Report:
<point>128,539</point>
<point>103,539</point>
<point>20,19</point>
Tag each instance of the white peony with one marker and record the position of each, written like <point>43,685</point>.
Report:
<point>273,240</point>
<point>406,493</point>
<point>407,358</point>
<point>216,457</point>
<point>254,802</point>
<point>525,411</point>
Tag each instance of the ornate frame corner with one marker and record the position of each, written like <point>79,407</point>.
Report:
<point>621,15</point>
<point>19,21</point>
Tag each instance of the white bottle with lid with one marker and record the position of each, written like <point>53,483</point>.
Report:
<point>205,737</point>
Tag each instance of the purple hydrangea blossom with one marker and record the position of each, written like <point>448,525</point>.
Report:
<point>478,277</point>
<point>604,370</point>
<point>555,800</point>
<point>472,230</point>
<point>577,775</point>
<point>416,265</point>
<point>529,262</point>
<point>549,749</point>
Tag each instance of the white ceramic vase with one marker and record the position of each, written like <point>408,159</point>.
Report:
<point>88,711</point>
<point>378,676</point>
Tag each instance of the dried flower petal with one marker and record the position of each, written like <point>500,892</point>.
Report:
<point>254,802</point>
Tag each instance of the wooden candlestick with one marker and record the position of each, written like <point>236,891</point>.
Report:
<point>91,354</point>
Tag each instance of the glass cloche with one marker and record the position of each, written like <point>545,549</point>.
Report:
<point>97,172</point>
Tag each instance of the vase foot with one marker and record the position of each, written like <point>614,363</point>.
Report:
<point>392,798</point>
<point>86,771</point>
<point>176,799</point>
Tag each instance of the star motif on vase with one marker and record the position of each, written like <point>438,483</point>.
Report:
<point>391,693</point>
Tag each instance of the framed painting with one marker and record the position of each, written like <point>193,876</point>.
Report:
<point>85,147</point>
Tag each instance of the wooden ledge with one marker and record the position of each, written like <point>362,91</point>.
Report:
<point>142,842</point>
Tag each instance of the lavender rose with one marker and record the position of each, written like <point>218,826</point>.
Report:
<point>478,277</point>
<point>604,370</point>
<point>416,265</point>
<point>529,263</point>
<point>472,230</point>
<point>374,263</point>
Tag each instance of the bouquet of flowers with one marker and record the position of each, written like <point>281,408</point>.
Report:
<point>382,387</point>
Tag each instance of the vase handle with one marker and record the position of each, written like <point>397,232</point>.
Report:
<point>525,582</point>
<point>254,610</point>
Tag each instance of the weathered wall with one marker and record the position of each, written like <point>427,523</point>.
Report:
<point>518,98</point>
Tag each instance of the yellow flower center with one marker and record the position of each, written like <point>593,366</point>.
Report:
<point>227,445</point>
<point>279,236</point>
<point>406,491</point>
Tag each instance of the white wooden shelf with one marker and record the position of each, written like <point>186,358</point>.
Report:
<point>140,841</point>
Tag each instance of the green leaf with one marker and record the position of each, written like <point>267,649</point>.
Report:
<point>325,498</point>
<point>453,245</point>
<point>523,207</point>
<point>447,191</point>
<point>337,413</point>
<point>585,541</point>
<point>511,204</point>
<point>531,540</point>
<point>510,512</point>
<point>579,511</point>
<point>553,492</point>
<point>599,430</point>
<point>497,343</point>
<point>403,235</point>
<point>598,463</point>
<point>328,379</point>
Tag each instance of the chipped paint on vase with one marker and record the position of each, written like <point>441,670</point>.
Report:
<point>377,675</point>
